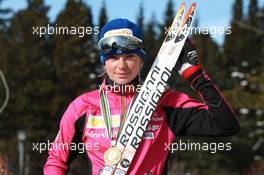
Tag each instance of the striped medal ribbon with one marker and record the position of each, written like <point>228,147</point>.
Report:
<point>112,155</point>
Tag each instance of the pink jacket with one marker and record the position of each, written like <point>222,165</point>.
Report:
<point>177,114</point>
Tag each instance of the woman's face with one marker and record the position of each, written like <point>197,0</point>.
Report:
<point>123,68</point>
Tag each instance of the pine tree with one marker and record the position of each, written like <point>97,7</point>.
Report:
<point>75,61</point>
<point>252,52</point>
<point>246,96</point>
<point>3,36</point>
<point>30,79</point>
<point>103,16</point>
<point>169,13</point>
<point>140,17</point>
<point>31,61</point>
<point>3,12</point>
<point>253,10</point>
<point>3,53</point>
<point>232,55</point>
<point>261,26</point>
<point>4,68</point>
<point>74,55</point>
<point>152,45</point>
<point>168,18</point>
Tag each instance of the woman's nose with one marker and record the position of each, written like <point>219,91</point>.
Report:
<point>122,63</point>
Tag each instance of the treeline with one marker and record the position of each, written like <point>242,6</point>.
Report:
<point>46,73</point>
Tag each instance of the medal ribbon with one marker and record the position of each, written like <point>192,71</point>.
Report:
<point>105,110</point>
<point>123,112</point>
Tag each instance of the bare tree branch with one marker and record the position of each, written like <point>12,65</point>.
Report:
<point>261,15</point>
<point>249,27</point>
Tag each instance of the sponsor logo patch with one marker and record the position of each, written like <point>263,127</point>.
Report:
<point>97,122</point>
<point>149,135</point>
<point>119,32</point>
<point>156,119</point>
<point>99,133</point>
<point>152,127</point>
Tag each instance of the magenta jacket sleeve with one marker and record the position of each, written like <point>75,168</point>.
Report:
<point>59,152</point>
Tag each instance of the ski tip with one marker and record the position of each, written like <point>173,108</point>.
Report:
<point>181,9</point>
<point>192,8</point>
<point>179,14</point>
<point>193,5</point>
<point>189,14</point>
<point>183,5</point>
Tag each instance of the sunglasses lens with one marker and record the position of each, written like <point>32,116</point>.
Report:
<point>122,43</point>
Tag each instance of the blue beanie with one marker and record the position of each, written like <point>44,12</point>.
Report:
<point>122,27</point>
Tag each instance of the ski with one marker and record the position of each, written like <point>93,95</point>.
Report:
<point>145,102</point>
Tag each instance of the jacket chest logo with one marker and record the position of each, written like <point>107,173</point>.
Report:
<point>97,121</point>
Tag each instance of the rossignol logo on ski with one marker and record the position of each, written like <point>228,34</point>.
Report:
<point>145,102</point>
<point>146,105</point>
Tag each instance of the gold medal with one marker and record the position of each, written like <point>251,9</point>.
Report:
<point>112,156</point>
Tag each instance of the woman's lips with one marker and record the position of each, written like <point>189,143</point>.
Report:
<point>122,74</point>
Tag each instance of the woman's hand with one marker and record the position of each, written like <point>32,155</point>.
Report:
<point>188,62</point>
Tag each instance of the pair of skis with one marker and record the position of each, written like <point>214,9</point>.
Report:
<point>145,102</point>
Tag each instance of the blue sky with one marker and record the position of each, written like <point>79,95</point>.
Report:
<point>210,13</point>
